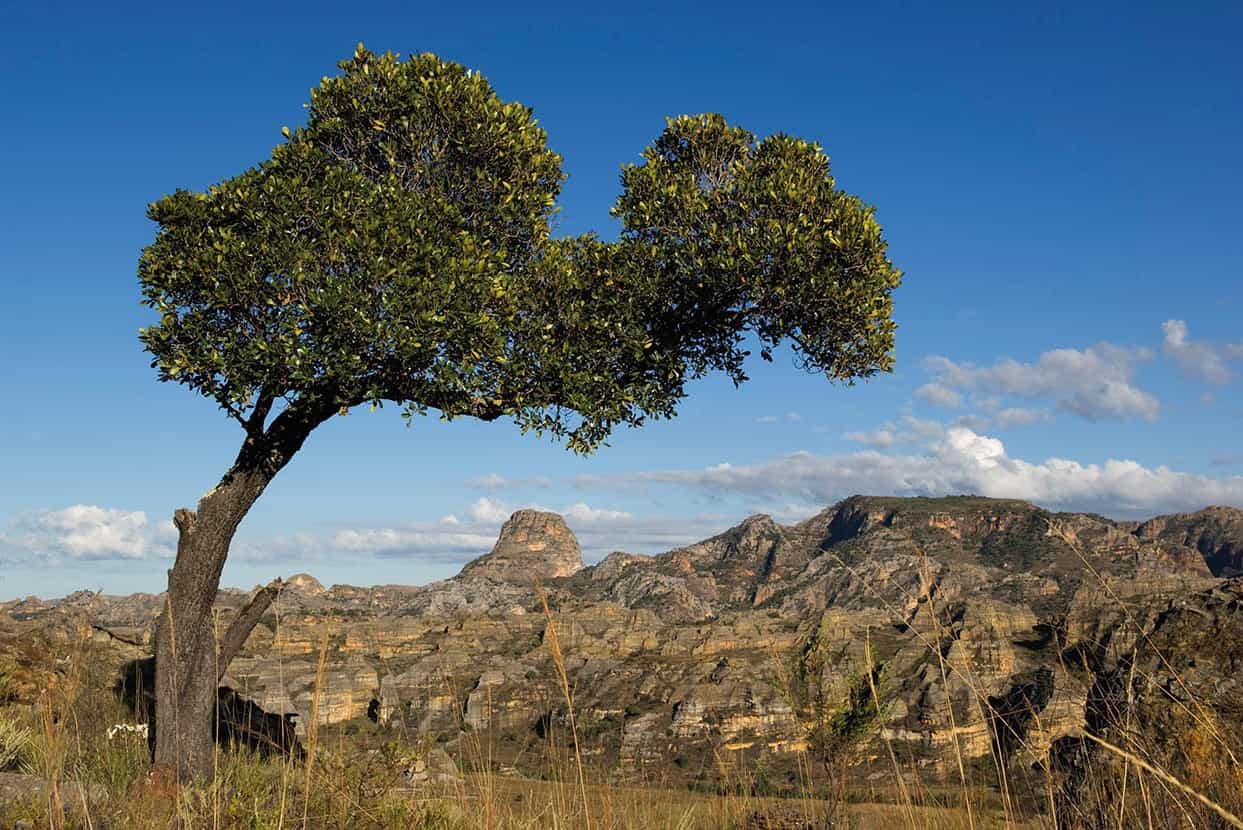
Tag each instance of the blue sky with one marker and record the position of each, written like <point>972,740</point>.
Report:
<point>1059,184</point>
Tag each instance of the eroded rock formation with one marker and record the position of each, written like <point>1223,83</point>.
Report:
<point>989,627</point>
<point>534,545</point>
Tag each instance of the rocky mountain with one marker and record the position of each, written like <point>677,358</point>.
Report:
<point>533,546</point>
<point>965,627</point>
<point>1215,532</point>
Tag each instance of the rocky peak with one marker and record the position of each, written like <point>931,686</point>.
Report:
<point>304,584</point>
<point>745,544</point>
<point>1215,533</point>
<point>1222,511</point>
<point>532,545</point>
<point>852,517</point>
<point>755,533</point>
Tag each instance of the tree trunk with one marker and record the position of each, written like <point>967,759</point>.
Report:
<point>187,663</point>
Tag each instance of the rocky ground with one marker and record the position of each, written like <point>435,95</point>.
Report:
<point>927,636</point>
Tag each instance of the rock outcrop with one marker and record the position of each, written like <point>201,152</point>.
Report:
<point>989,629</point>
<point>304,584</point>
<point>534,545</point>
<point>1216,533</point>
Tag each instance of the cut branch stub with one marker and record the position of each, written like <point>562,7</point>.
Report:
<point>183,519</point>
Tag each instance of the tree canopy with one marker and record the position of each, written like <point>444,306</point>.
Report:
<point>398,248</point>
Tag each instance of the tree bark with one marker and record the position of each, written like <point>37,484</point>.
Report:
<point>187,663</point>
<point>245,621</point>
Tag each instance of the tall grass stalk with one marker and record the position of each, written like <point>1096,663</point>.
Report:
<point>559,661</point>
<point>312,728</point>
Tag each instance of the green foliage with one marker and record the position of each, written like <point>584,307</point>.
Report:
<point>397,248</point>
<point>836,723</point>
<point>750,236</point>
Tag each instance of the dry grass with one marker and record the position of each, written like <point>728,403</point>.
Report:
<point>1124,775</point>
<point>558,658</point>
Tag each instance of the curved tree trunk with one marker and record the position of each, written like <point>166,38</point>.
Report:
<point>188,661</point>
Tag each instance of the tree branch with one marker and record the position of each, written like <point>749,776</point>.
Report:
<point>266,451</point>
<point>243,624</point>
<point>129,641</point>
<point>259,415</point>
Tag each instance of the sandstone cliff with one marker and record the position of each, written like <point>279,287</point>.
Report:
<point>988,627</point>
<point>533,546</point>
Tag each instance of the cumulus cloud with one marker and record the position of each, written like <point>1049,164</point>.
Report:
<point>882,438</point>
<point>976,422</point>
<point>1011,416</point>
<point>428,543</point>
<point>582,512</point>
<point>1018,416</point>
<point>1096,383</point>
<point>495,481</point>
<point>959,461</point>
<point>1196,358</point>
<point>659,533</point>
<point>938,394</point>
<point>459,537</point>
<point>910,430</point>
<point>85,532</point>
<point>488,510</point>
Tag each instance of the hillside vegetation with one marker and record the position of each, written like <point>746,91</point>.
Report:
<point>959,662</point>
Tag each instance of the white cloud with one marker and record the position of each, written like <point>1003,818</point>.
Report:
<point>888,434</point>
<point>1004,417</point>
<point>1018,416</point>
<point>960,461</point>
<point>976,422</point>
<point>488,510</point>
<point>581,512</point>
<point>1095,383</point>
<point>1196,358</point>
<point>784,513</point>
<point>653,534</point>
<point>451,539</point>
<point>924,429</point>
<point>85,532</point>
<point>766,419</point>
<point>883,437</point>
<point>431,544</point>
<point>938,394</point>
<point>1011,416</point>
<point>794,417</point>
<point>492,481</point>
<point>495,481</point>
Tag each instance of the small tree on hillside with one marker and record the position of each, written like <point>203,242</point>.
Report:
<point>397,249</point>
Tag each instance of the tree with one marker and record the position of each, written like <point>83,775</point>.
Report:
<point>397,249</point>
<point>838,708</point>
